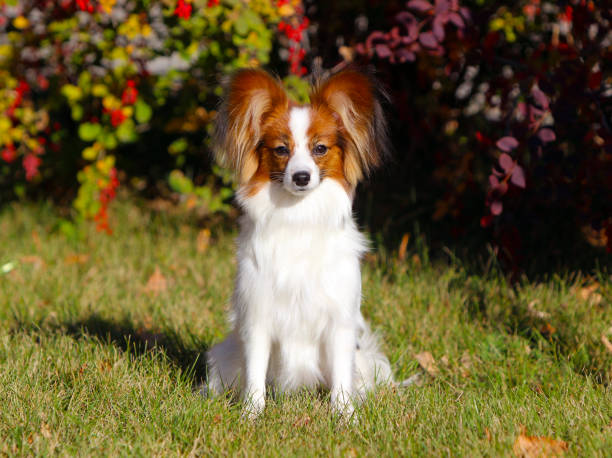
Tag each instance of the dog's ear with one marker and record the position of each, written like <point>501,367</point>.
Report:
<point>355,98</point>
<point>251,94</point>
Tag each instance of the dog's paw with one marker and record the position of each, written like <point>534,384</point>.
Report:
<point>253,408</point>
<point>344,411</point>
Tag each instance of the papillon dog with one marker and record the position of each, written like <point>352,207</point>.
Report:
<point>296,315</point>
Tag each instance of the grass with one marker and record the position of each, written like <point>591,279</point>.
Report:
<point>94,363</point>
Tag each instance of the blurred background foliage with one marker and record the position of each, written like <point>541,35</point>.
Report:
<point>500,111</point>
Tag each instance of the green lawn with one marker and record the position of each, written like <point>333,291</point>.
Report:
<point>95,362</point>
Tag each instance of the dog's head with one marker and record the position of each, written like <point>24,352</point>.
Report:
<point>264,136</point>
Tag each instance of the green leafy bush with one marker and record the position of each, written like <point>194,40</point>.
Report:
<point>90,87</point>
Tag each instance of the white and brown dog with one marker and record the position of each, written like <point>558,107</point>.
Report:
<point>296,304</point>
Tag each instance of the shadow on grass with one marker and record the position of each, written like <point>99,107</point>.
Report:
<point>185,352</point>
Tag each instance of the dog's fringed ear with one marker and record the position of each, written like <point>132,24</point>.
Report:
<point>356,100</point>
<point>251,94</point>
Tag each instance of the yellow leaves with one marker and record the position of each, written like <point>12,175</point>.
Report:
<point>72,93</point>
<point>127,111</point>
<point>107,5</point>
<point>104,165</point>
<point>21,22</point>
<point>508,23</point>
<point>6,52</point>
<point>537,446</point>
<point>91,152</point>
<point>99,90</point>
<point>193,121</point>
<point>5,124</point>
<point>157,283</point>
<point>133,27</point>
<point>110,102</point>
<point>286,10</point>
<point>428,363</point>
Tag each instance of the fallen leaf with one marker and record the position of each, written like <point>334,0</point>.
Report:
<point>302,421</point>
<point>488,434</point>
<point>547,330</point>
<point>589,294</point>
<point>36,240</point>
<point>403,245</point>
<point>105,366</point>
<point>147,322</point>
<point>203,240</point>
<point>157,283</point>
<point>36,261</point>
<point>535,446</point>
<point>466,364</point>
<point>427,362</point>
<point>607,343</point>
<point>76,258</point>
<point>536,313</point>
<point>444,361</point>
<point>45,430</point>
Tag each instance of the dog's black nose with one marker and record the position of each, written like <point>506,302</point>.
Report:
<point>301,178</point>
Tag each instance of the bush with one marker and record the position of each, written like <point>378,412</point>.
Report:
<point>508,108</point>
<point>92,87</point>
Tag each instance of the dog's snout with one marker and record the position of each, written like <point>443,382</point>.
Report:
<point>301,178</point>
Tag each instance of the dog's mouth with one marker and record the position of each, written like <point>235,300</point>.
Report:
<point>298,190</point>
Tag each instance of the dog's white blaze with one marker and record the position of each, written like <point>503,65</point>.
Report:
<point>301,160</point>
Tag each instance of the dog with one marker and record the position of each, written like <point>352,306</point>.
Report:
<point>296,315</point>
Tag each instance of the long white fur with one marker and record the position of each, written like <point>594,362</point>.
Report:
<point>296,304</point>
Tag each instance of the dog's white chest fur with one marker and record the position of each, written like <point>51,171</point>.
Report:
<point>296,304</point>
<point>298,273</point>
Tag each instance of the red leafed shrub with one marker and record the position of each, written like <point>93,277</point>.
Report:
<point>504,117</point>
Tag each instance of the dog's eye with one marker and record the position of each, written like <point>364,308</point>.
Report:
<point>320,150</point>
<point>281,151</point>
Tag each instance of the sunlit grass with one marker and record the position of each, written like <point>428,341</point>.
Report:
<point>93,362</point>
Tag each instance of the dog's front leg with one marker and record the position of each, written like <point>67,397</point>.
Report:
<point>257,355</point>
<point>342,347</point>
